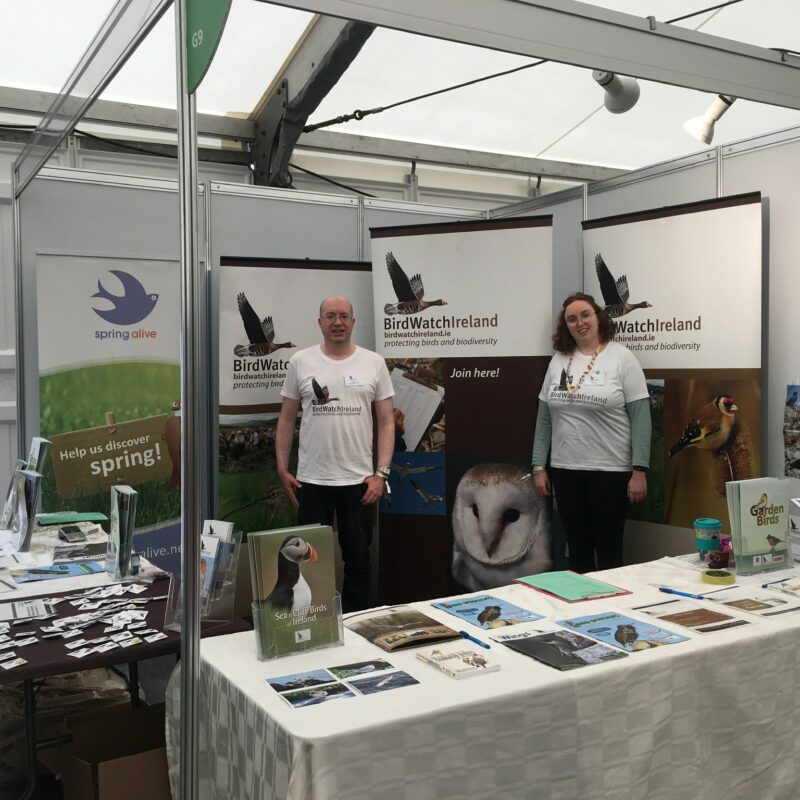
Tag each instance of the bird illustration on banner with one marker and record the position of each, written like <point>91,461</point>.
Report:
<point>410,293</point>
<point>261,334</point>
<point>714,428</point>
<point>132,306</point>
<point>615,292</point>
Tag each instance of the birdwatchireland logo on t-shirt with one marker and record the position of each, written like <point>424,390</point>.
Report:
<point>322,402</point>
<point>129,308</point>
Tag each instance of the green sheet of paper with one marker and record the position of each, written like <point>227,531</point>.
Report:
<point>570,586</point>
<point>65,517</point>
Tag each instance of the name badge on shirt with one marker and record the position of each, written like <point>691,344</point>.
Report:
<point>596,378</point>
<point>352,380</point>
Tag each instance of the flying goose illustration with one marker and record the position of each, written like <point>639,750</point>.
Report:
<point>261,334</point>
<point>615,293</point>
<point>321,394</point>
<point>406,469</point>
<point>291,590</point>
<point>428,499</point>
<point>409,292</point>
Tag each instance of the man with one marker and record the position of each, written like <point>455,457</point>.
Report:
<point>338,384</point>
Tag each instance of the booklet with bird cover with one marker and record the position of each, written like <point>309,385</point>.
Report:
<point>458,661</point>
<point>560,649</point>
<point>398,627</point>
<point>626,633</point>
<point>759,512</point>
<point>486,611</point>
<point>295,604</point>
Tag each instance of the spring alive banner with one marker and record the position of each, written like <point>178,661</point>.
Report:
<point>268,310</point>
<point>109,388</point>
<point>683,287</point>
<point>463,316</point>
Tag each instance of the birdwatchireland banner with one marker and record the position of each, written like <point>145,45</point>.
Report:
<point>109,388</point>
<point>268,310</point>
<point>683,286</point>
<point>463,316</point>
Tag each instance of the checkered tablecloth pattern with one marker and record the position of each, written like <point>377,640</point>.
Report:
<point>714,718</point>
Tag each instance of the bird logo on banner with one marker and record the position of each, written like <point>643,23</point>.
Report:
<point>615,292</point>
<point>128,308</point>
<point>410,293</point>
<point>261,334</point>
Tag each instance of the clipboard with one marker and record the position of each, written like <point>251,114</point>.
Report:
<point>419,402</point>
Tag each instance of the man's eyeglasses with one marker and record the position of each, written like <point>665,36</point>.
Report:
<point>344,316</point>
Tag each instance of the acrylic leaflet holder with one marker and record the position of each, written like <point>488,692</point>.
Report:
<point>217,588</point>
<point>283,632</point>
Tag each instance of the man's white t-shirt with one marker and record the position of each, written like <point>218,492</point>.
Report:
<point>591,428</point>
<point>336,429</point>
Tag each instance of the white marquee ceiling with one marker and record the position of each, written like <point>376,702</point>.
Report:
<point>551,111</point>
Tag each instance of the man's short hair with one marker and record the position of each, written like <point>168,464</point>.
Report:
<point>328,298</point>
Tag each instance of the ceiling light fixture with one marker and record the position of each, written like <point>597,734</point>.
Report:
<point>621,92</point>
<point>702,127</point>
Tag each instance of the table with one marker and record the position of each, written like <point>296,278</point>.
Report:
<point>49,657</point>
<point>712,718</point>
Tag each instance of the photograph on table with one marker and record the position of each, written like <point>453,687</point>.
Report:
<point>300,680</point>
<point>383,683</point>
<point>712,435</point>
<point>318,695</point>
<point>347,671</point>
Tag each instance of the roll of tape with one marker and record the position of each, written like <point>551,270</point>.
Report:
<point>720,577</point>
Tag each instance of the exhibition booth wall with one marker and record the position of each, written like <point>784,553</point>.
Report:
<point>73,213</point>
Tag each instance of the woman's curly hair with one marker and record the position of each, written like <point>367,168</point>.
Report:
<point>562,338</point>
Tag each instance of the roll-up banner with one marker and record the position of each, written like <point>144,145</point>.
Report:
<point>109,389</point>
<point>268,310</point>
<point>463,316</point>
<point>683,286</point>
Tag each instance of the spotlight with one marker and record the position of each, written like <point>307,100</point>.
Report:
<point>621,92</point>
<point>702,128</point>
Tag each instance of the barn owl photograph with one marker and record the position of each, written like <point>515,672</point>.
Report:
<point>501,527</point>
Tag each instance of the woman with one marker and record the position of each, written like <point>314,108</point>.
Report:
<point>594,415</point>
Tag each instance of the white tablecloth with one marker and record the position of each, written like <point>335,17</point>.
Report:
<point>716,717</point>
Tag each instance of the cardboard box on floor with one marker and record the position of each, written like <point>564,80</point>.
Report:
<point>116,756</point>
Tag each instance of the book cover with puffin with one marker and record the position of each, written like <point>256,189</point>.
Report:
<point>294,589</point>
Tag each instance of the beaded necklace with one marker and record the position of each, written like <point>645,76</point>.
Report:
<point>574,388</point>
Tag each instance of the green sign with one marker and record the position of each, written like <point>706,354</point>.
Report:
<point>205,21</point>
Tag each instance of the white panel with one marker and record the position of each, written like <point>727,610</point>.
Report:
<point>774,171</point>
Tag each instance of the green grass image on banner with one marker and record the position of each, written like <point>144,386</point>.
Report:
<point>78,399</point>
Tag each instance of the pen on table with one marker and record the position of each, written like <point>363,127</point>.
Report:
<point>770,583</point>
<point>473,639</point>
<point>682,594</point>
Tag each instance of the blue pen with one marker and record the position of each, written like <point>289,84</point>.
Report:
<point>682,594</point>
<point>473,639</point>
<point>771,583</point>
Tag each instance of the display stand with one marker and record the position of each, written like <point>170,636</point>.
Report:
<point>282,633</point>
<point>218,606</point>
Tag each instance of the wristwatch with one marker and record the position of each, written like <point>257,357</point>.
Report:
<point>383,472</point>
<point>640,469</point>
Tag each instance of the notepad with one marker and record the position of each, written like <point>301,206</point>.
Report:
<point>570,586</point>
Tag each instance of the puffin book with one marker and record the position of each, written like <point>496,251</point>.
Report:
<point>486,611</point>
<point>398,627</point>
<point>295,604</point>
<point>458,661</point>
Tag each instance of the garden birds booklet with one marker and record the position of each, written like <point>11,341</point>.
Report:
<point>487,612</point>
<point>626,633</point>
<point>759,512</point>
